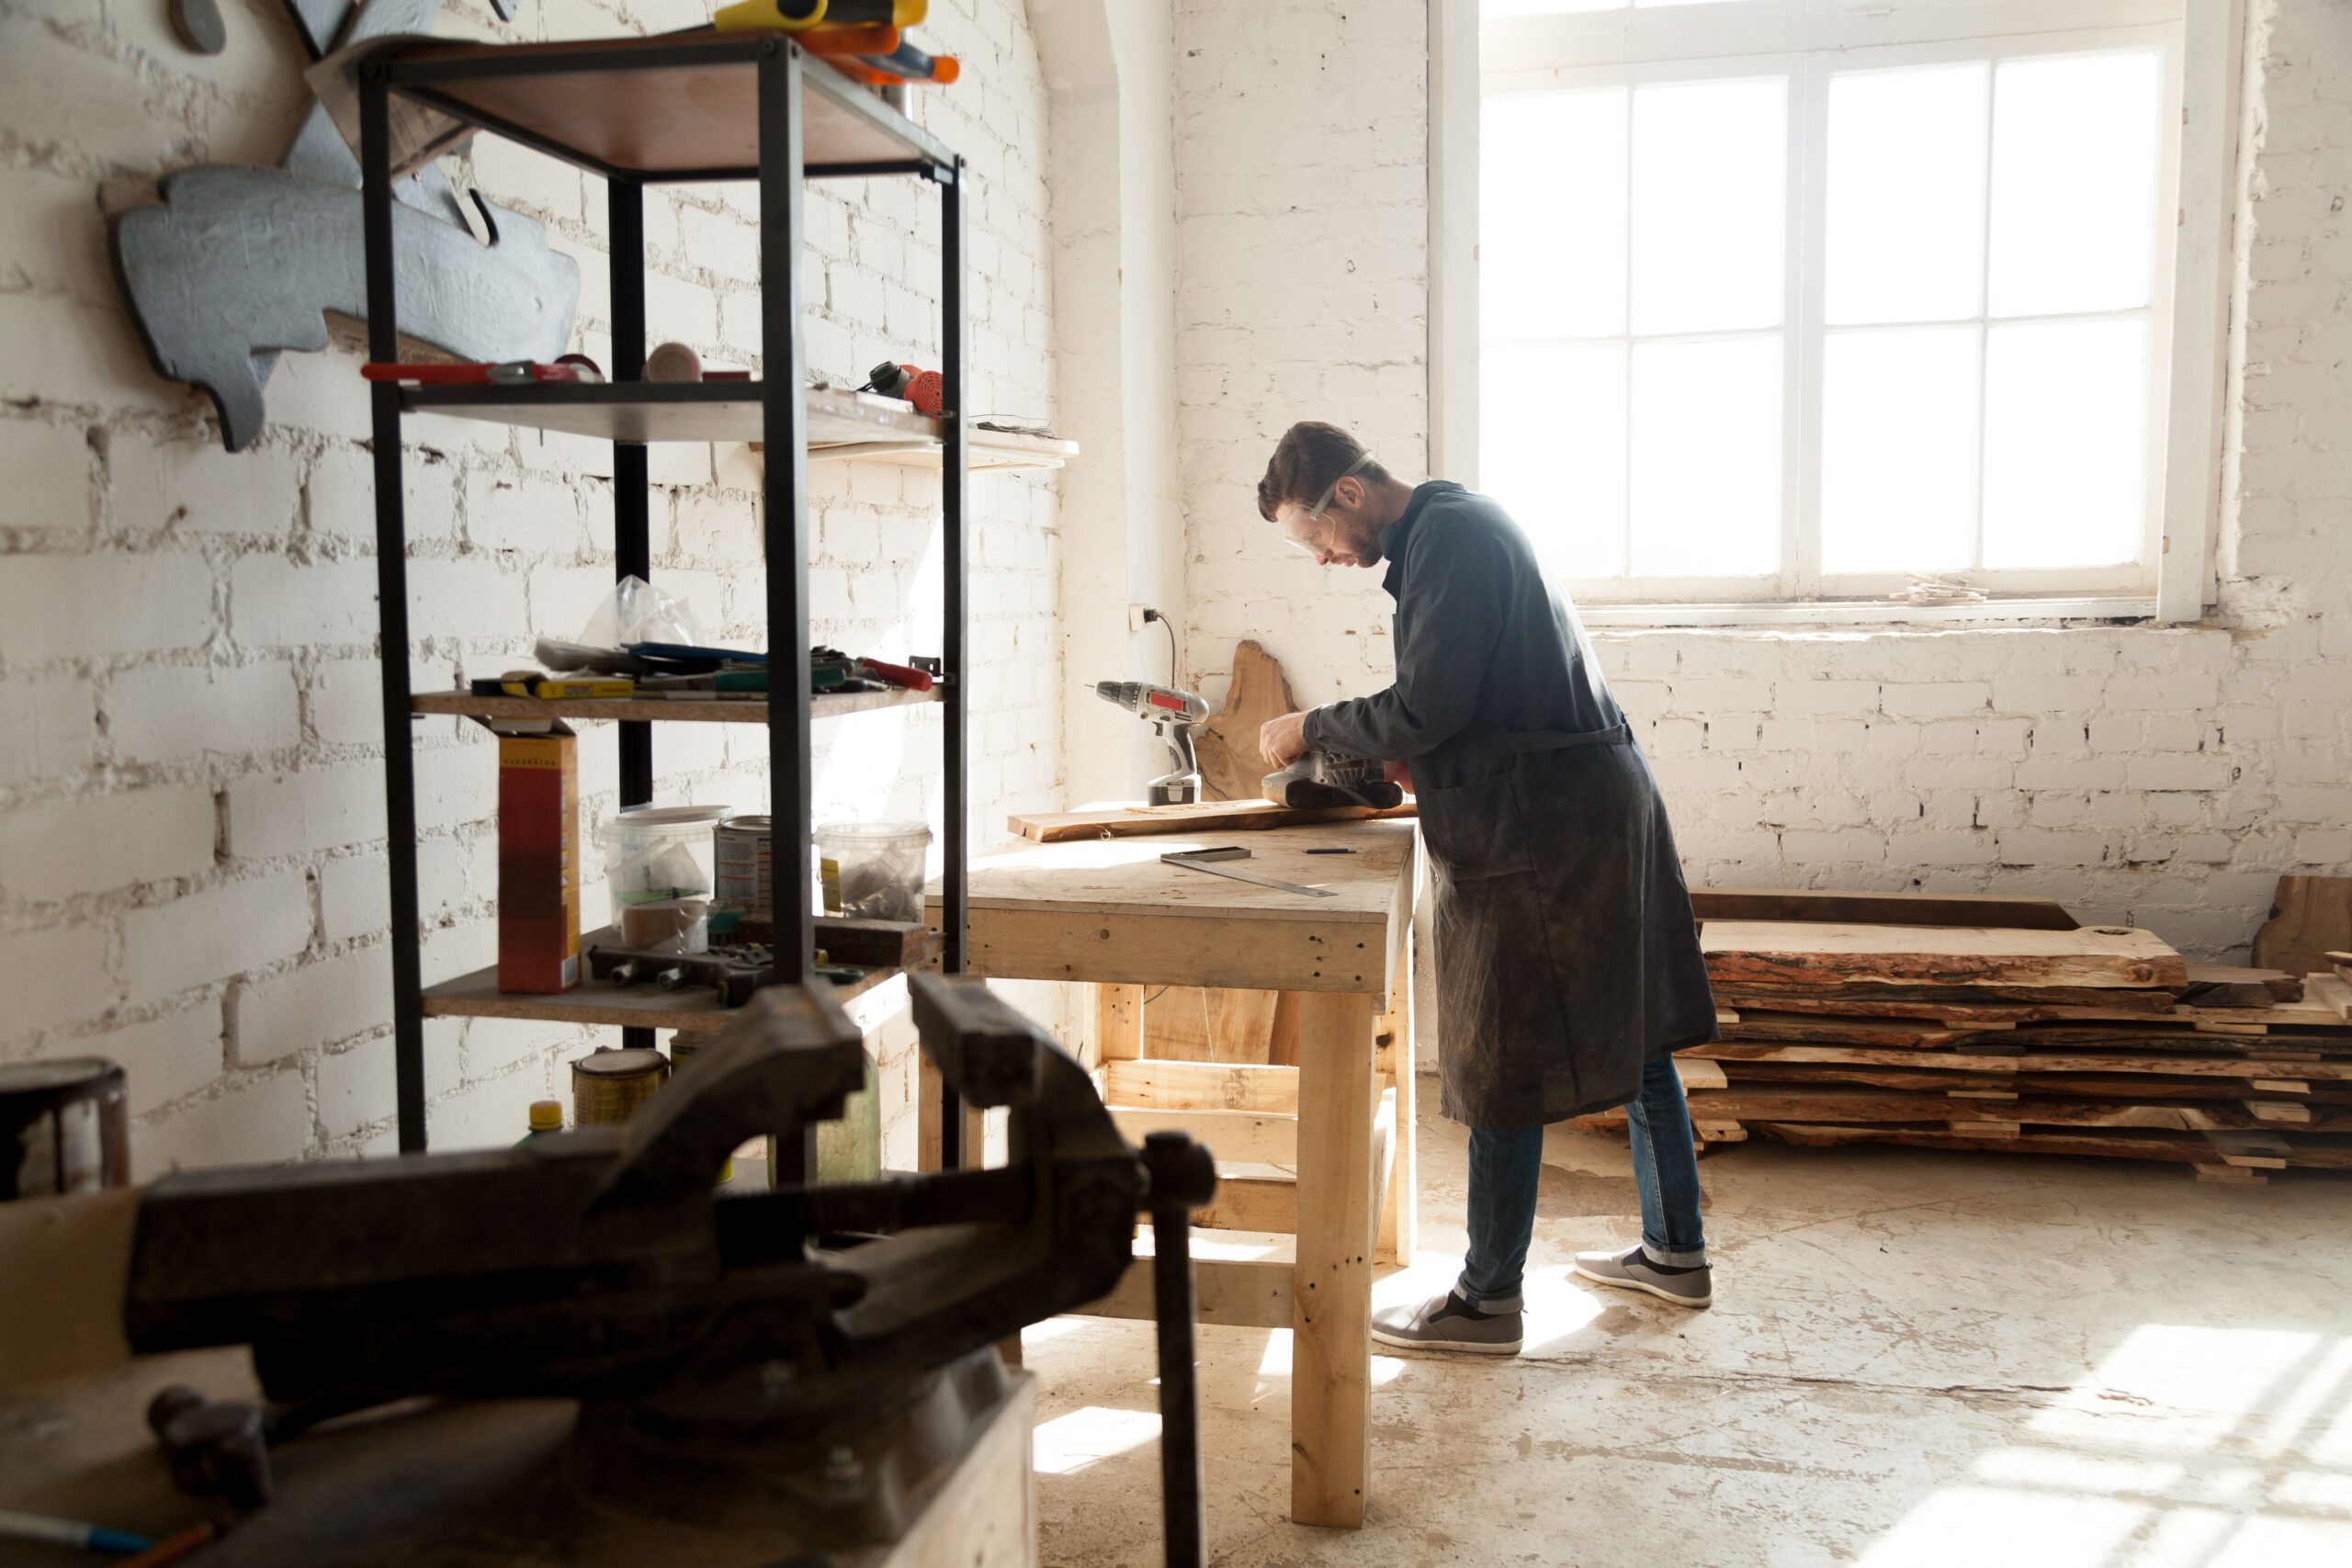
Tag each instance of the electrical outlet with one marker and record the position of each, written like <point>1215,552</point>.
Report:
<point>1139,617</point>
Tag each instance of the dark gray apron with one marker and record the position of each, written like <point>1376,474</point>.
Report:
<point>1566,951</point>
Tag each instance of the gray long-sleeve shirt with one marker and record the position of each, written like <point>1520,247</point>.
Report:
<point>1481,640</point>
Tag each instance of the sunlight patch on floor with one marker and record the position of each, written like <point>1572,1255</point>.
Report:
<point>1087,1436</point>
<point>2188,1447</point>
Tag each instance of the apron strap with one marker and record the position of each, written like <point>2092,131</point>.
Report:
<point>1520,742</point>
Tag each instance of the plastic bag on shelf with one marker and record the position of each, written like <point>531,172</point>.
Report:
<point>635,611</point>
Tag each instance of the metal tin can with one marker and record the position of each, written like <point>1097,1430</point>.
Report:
<point>65,1127</point>
<point>607,1086</point>
<point>746,863</point>
<point>682,1051</point>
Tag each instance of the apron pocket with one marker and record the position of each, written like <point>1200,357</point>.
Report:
<point>1473,828</point>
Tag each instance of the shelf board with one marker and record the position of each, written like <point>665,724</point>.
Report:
<point>984,451</point>
<point>602,1002</point>
<point>685,106</point>
<point>662,710</point>
<point>678,411</point>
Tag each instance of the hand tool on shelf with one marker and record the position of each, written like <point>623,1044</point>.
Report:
<point>532,684</point>
<point>906,675</point>
<point>71,1533</point>
<point>870,38</point>
<point>927,389</point>
<point>508,372</point>
<point>1206,859</point>
<point>908,63</point>
<point>715,683</point>
<point>1172,714</point>
<point>1322,779</point>
<point>734,973</point>
<point>903,64</point>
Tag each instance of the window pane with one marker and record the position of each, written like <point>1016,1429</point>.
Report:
<point>1706,458</point>
<point>1492,8</point>
<point>1551,449</point>
<point>2065,444</point>
<point>2074,183</point>
<point>1906,194</point>
<point>1551,215</point>
<point>1709,164</point>
<point>1898,450</point>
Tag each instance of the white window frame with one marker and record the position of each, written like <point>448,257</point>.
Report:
<point>2188,310</point>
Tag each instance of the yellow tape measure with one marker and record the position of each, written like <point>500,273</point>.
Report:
<point>800,16</point>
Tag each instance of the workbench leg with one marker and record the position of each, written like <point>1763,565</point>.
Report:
<point>1330,1390</point>
<point>1399,1213</point>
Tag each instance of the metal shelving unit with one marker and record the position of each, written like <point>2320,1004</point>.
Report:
<point>692,107</point>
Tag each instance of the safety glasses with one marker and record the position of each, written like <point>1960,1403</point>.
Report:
<point>1301,534</point>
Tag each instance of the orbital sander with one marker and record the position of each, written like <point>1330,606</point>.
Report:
<point>1321,780</point>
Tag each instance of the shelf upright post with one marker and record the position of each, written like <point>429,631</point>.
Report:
<point>392,598</point>
<point>632,490</point>
<point>784,506</point>
<point>954,744</point>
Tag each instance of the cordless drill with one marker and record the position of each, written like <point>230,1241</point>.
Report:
<point>1171,714</point>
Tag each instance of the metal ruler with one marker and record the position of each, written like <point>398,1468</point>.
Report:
<point>1207,860</point>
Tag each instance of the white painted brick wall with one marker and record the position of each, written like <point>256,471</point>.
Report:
<point>192,872</point>
<point>2160,776</point>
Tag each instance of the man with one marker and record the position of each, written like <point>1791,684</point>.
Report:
<point>1568,960</point>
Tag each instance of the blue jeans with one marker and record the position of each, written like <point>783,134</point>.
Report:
<point>1506,1163</point>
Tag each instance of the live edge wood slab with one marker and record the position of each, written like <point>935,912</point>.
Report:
<point>1758,953</point>
<point>1138,821</point>
<point>1107,910</point>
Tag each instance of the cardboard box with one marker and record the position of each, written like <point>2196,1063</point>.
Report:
<point>538,860</point>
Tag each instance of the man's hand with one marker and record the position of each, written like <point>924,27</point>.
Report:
<point>1283,740</point>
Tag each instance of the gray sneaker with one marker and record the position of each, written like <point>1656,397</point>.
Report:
<point>1633,1272</point>
<point>1448,1322</point>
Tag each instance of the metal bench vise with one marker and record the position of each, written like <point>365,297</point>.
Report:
<point>619,1349</point>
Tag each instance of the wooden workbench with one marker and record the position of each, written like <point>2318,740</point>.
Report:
<point>1107,911</point>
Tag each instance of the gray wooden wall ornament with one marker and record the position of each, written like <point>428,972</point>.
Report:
<point>237,264</point>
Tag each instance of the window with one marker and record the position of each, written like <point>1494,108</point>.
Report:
<point>1806,299</point>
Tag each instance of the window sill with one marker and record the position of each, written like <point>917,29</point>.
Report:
<point>1872,611</point>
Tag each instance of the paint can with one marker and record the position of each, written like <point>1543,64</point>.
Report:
<point>65,1127</point>
<point>746,864</point>
<point>607,1086</point>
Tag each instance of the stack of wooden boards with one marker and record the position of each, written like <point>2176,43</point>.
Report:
<point>2095,1040</point>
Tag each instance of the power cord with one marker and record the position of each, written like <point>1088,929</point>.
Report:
<point>1168,626</point>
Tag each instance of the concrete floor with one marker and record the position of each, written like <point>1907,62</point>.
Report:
<point>1914,1358</point>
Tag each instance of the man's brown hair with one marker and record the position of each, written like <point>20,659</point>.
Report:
<point>1308,460</point>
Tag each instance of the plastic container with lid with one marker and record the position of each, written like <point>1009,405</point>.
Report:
<point>873,870</point>
<point>665,854</point>
<point>547,1118</point>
